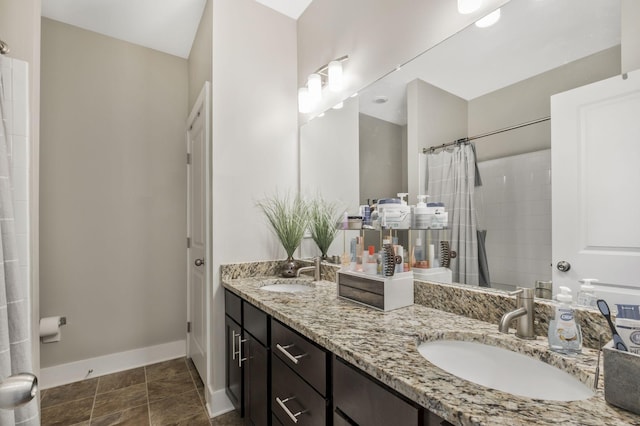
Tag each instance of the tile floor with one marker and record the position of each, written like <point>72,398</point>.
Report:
<point>167,393</point>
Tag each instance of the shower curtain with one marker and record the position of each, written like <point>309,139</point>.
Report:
<point>15,333</point>
<point>451,178</point>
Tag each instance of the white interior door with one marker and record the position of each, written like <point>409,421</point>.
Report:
<point>198,261</point>
<point>595,161</point>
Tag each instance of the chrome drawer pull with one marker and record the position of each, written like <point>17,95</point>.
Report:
<point>240,342</point>
<point>294,417</point>
<point>233,345</point>
<point>293,358</point>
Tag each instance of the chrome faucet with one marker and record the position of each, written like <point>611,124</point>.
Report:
<point>315,268</point>
<point>524,312</point>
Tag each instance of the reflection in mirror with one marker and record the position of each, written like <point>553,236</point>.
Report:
<point>479,81</point>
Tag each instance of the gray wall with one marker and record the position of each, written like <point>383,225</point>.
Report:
<point>113,197</point>
<point>254,134</point>
<point>434,117</point>
<point>630,35</point>
<point>200,57</point>
<point>381,148</point>
<point>530,99</point>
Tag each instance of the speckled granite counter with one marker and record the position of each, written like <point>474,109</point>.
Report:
<point>385,346</point>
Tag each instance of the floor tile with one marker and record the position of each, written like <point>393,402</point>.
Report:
<point>67,413</point>
<point>138,416</point>
<point>120,380</point>
<point>178,409</point>
<point>119,400</point>
<point>231,418</point>
<point>70,392</point>
<point>166,369</point>
<point>170,386</point>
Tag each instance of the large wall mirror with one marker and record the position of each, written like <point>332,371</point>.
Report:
<point>475,83</point>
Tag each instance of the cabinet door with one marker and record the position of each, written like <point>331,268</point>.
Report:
<point>365,402</point>
<point>256,386</point>
<point>233,334</point>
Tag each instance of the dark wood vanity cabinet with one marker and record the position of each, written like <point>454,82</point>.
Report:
<point>277,377</point>
<point>300,389</point>
<point>247,360</point>
<point>359,400</point>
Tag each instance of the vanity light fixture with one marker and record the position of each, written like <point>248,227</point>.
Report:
<point>468,6</point>
<point>331,75</point>
<point>489,20</point>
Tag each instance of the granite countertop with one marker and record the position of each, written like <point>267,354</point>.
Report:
<point>384,345</point>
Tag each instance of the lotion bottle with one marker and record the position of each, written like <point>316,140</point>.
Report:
<point>564,333</point>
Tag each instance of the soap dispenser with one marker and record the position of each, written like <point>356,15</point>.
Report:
<point>587,294</point>
<point>564,333</point>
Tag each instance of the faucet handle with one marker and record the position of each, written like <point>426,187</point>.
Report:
<point>524,292</point>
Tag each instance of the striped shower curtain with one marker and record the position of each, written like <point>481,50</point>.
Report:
<point>15,333</point>
<point>451,179</point>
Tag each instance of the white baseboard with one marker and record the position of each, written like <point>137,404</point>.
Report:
<point>219,403</point>
<point>112,363</point>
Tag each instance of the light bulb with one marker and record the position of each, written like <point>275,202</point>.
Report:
<point>468,6</point>
<point>314,84</point>
<point>335,76</point>
<point>304,100</point>
<point>489,20</point>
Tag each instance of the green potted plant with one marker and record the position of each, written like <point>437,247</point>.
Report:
<point>323,219</point>
<point>289,218</point>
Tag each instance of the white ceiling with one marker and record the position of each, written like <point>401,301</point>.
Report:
<point>165,25</point>
<point>533,36</point>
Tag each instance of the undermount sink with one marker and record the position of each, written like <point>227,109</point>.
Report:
<point>504,370</point>
<point>288,286</point>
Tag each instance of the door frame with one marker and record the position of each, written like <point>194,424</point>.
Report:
<point>202,103</point>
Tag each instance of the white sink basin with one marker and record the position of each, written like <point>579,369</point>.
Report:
<point>285,285</point>
<point>504,370</point>
<point>286,288</point>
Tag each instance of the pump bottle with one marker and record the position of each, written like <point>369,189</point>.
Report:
<point>564,333</point>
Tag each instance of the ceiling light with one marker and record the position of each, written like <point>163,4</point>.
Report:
<point>338,105</point>
<point>335,76</point>
<point>489,20</point>
<point>468,6</point>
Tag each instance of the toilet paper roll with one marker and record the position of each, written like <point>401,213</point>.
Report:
<point>50,329</point>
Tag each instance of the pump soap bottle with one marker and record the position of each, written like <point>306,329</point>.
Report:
<point>564,333</point>
<point>587,294</point>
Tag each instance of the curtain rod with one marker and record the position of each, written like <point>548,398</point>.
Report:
<point>484,135</point>
<point>4,48</point>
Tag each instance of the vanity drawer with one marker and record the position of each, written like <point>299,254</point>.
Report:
<point>304,357</point>
<point>233,306</point>
<point>366,402</point>
<point>291,395</point>
<point>255,322</point>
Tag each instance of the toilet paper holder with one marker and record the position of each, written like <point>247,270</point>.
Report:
<point>50,330</point>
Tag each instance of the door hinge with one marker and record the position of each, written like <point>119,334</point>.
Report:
<point>188,242</point>
<point>188,326</point>
<point>188,158</point>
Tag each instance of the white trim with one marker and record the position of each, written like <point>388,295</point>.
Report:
<point>219,404</point>
<point>107,364</point>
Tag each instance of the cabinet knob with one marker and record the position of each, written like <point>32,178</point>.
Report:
<point>199,262</point>
<point>563,266</point>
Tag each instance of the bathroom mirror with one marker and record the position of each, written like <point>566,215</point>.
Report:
<point>478,81</point>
